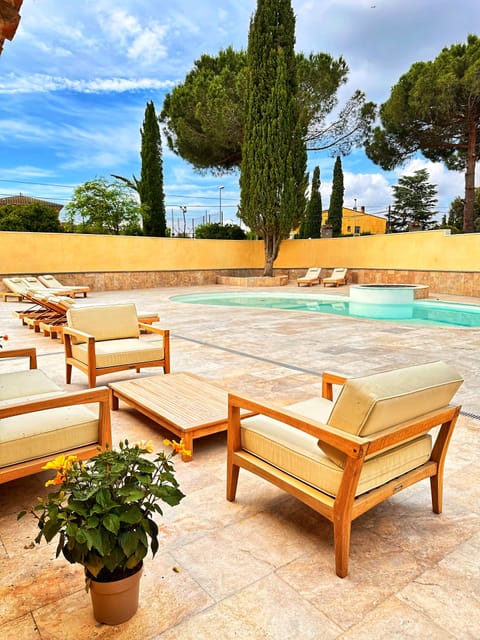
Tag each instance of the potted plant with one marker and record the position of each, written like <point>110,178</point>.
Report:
<point>102,511</point>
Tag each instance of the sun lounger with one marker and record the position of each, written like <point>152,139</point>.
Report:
<point>338,277</point>
<point>51,282</point>
<point>310,278</point>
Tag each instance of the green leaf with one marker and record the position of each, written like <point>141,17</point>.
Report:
<point>111,522</point>
<point>128,542</point>
<point>132,515</point>
<point>94,540</point>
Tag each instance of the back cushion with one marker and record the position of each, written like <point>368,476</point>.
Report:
<point>109,322</point>
<point>373,403</point>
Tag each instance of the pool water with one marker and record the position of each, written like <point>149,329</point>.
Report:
<point>430,312</point>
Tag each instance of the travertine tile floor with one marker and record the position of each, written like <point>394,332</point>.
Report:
<point>263,567</point>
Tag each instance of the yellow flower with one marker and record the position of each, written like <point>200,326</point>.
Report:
<point>178,447</point>
<point>59,479</point>
<point>147,445</point>
<point>61,463</point>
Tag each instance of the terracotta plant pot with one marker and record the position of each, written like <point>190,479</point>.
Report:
<point>115,602</point>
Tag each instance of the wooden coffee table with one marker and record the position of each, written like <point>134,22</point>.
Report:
<point>183,403</point>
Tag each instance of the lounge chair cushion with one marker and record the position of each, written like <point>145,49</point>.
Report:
<point>110,322</point>
<point>297,453</point>
<point>373,403</point>
<point>43,433</point>
<point>112,353</point>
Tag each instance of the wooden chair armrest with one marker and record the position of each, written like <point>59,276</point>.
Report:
<point>351,445</point>
<point>63,399</point>
<point>82,335</point>
<point>150,329</point>
<point>28,352</point>
<point>329,378</point>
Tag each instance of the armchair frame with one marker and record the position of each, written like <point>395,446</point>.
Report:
<point>342,509</point>
<point>91,368</point>
<point>22,406</point>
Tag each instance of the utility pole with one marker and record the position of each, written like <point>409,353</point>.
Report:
<point>220,196</point>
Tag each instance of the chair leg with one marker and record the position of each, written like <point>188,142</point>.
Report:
<point>436,488</point>
<point>232,481</point>
<point>69,373</point>
<point>341,543</point>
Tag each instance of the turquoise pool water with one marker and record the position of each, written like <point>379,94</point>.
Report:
<point>419,312</point>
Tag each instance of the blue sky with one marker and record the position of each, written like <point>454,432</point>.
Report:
<point>75,80</point>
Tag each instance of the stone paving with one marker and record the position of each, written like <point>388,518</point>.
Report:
<point>262,567</point>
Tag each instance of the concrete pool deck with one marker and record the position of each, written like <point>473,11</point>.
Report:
<point>263,567</point>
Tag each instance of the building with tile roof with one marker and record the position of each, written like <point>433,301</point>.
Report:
<point>21,200</point>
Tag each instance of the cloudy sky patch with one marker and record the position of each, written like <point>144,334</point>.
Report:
<point>75,80</point>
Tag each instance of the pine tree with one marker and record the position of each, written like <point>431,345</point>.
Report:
<point>415,199</point>
<point>273,173</point>
<point>313,220</point>
<point>335,210</point>
<point>150,185</point>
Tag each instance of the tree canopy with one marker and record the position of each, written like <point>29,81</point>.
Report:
<point>335,210</point>
<point>435,108</point>
<point>273,178</point>
<point>415,199</point>
<point>455,214</point>
<point>150,185</point>
<point>34,217</point>
<point>98,206</point>
<point>217,231</point>
<point>204,117</point>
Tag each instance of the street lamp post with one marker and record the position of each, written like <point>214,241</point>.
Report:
<point>220,196</point>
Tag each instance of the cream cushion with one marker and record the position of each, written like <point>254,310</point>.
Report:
<point>373,403</point>
<point>30,383</point>
<point>104,322</point>
<point>297,453</point>
<point>110,353</point>
<point>47,432</point>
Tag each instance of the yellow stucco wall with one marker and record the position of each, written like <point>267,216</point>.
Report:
<point>429,250</point>
<point>57,253</point>
<point>75,253</point>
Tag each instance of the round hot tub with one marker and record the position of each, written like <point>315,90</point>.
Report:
<point>384,300</point>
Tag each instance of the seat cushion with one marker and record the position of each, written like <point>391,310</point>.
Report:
<point>373,403</point>
<point>112,353</point>
<point>29,383</point>
<point>107,322</point>
<point>44,433</point>
<point>298,454</point>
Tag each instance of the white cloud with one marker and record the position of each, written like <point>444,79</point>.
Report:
<point>40,83</point>
<point>147,45</point>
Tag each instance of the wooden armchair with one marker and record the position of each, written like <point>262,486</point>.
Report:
<point>38,420</point>
<point>105,339</point>
<point>342,458</point>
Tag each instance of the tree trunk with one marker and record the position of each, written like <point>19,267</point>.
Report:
<point>271,246</point>
<point>470,178</point>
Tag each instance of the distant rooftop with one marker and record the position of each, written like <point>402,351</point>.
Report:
<point>9,19</point>
<point>20,199</point>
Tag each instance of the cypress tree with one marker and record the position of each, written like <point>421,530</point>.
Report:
<point>273,173</point>
<point>150,185</point>
<point>313,221</point>
<point>335,210</point>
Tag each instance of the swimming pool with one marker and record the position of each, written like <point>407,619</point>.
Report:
<point>431,312</point>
